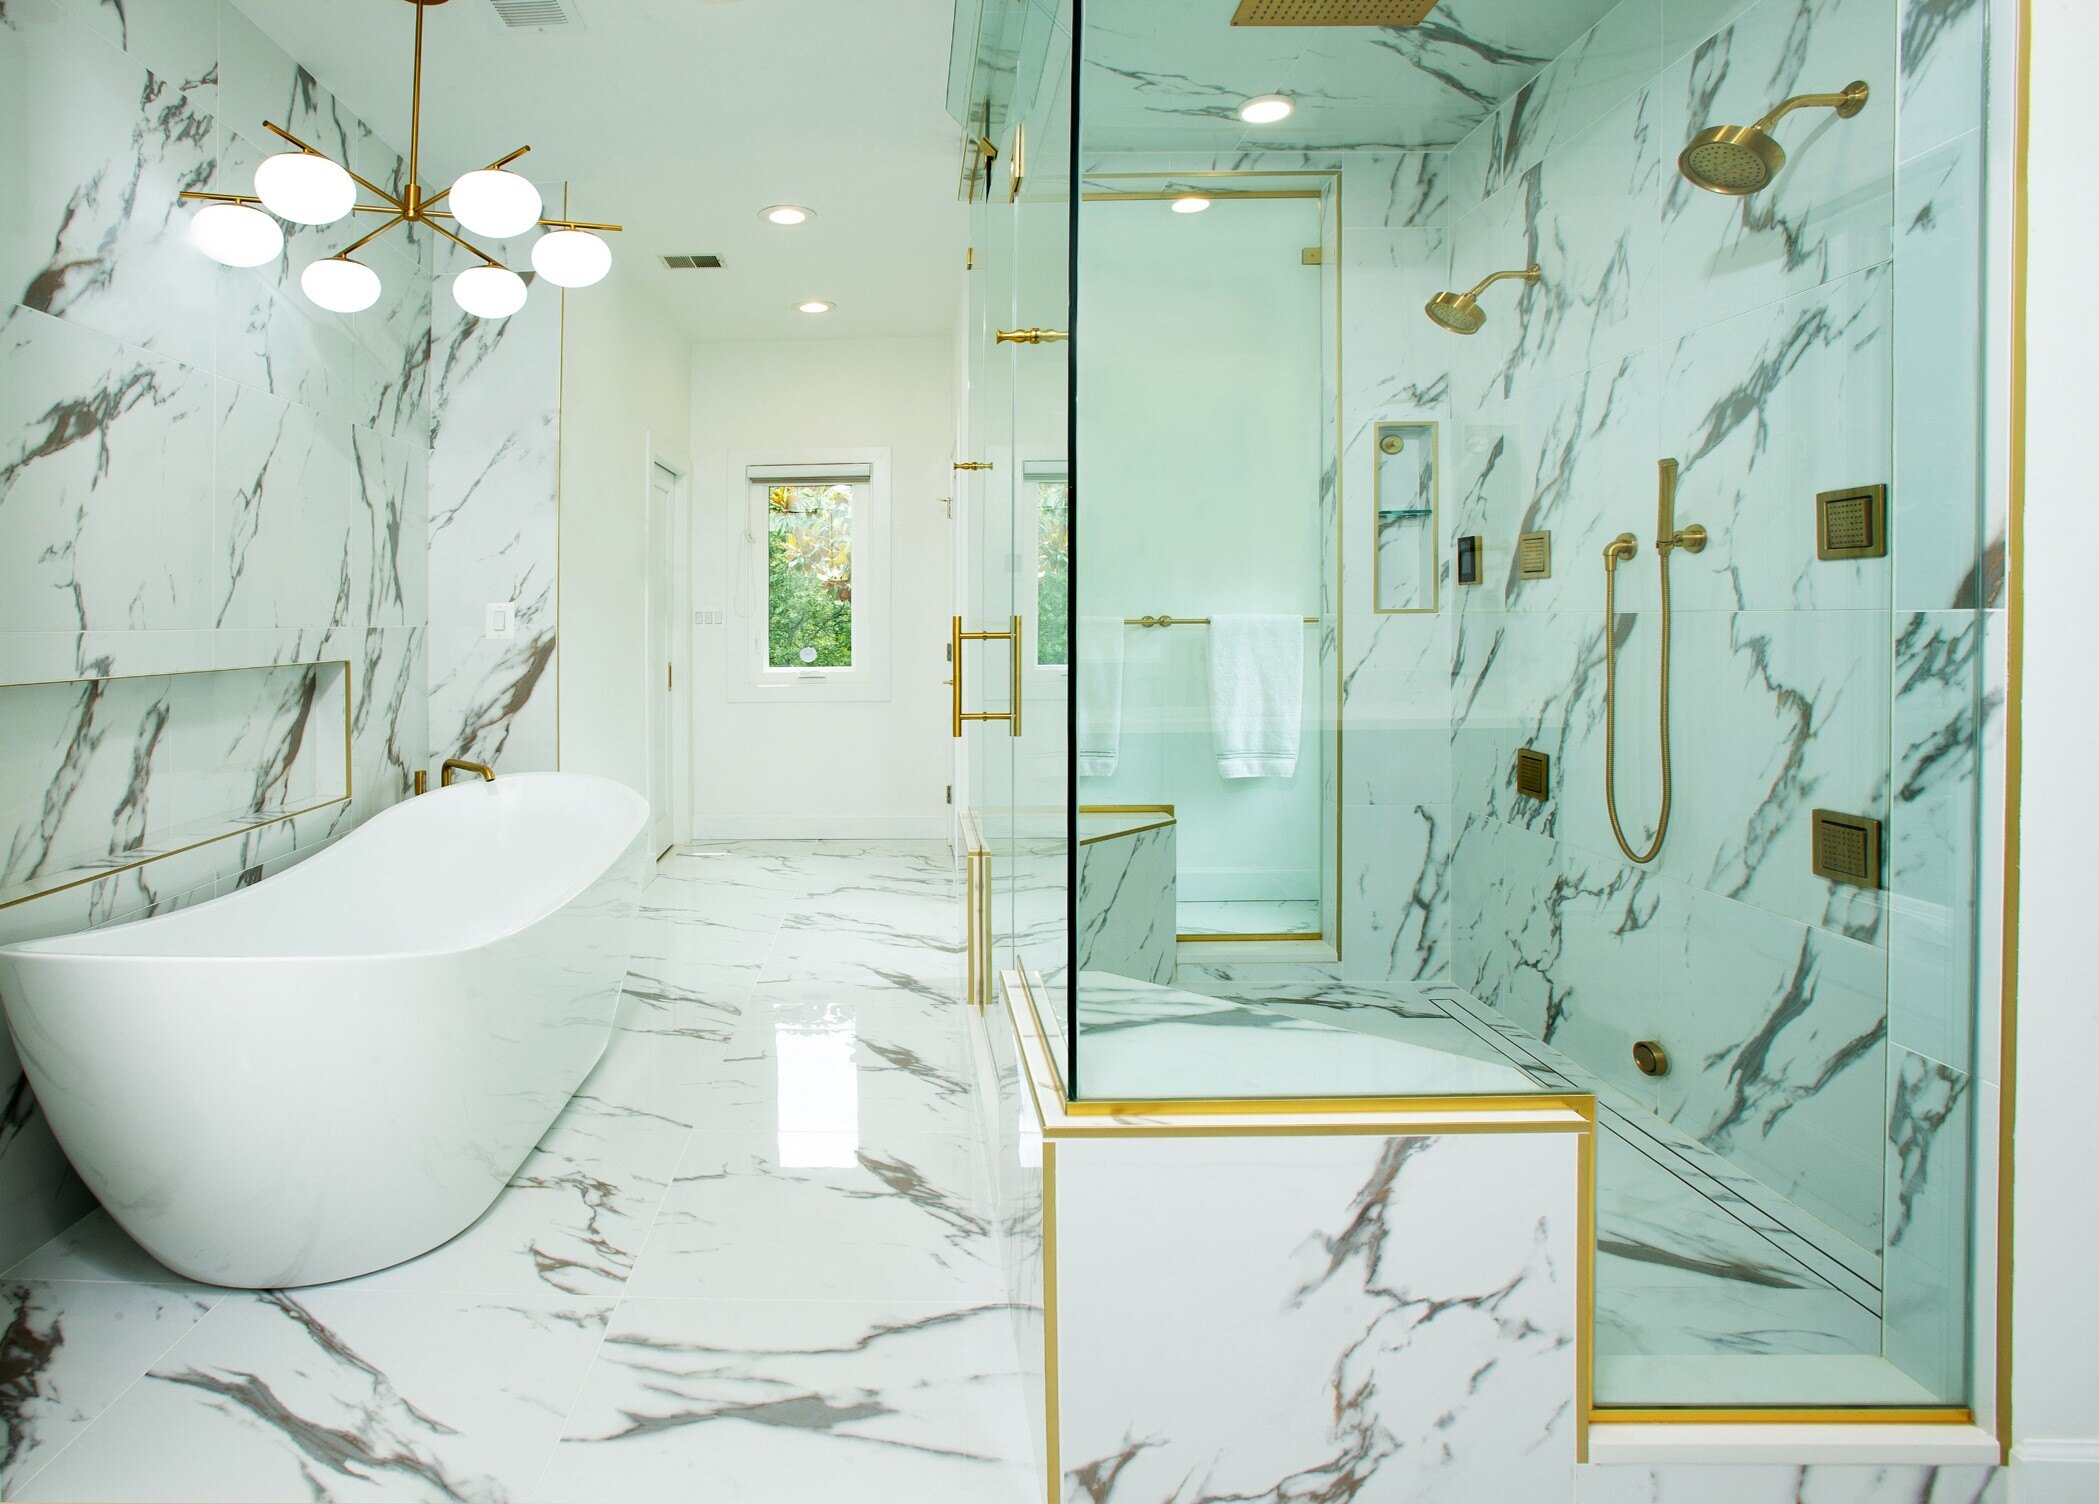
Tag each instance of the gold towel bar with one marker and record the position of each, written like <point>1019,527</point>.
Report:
<point>1186,621</point>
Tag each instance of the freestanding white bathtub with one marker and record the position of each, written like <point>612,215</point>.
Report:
<point>339,1067</point>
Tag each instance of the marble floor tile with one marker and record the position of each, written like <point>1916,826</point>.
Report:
<point>797,1402</point>
<point>70,1350</point>
<point>342,1395</point>
<point>819,1215</point>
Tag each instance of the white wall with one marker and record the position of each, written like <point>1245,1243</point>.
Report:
<point>626,382</point>
<point>868,769</point>
<point>2055,1364</point>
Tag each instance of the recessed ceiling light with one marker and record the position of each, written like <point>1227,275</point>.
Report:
<point>814,305</point>
<point>789,214</point>
<point>1265,109</point>
<point>1190,203</point>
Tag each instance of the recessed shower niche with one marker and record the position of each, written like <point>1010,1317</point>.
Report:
<point>119,771</point>
<point>1405,491</point>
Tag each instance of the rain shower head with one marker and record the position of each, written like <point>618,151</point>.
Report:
<point>1738,160</point>
<point>1460,312</point>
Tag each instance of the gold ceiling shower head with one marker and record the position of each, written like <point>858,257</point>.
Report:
<point>1460,312</point>
<point>1738,160</point>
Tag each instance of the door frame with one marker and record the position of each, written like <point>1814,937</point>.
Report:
<point>678,640</point>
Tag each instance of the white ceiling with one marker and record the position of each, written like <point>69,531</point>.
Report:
<point>682,119</point>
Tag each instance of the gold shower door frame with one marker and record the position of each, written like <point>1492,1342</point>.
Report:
<point>1324,185</point>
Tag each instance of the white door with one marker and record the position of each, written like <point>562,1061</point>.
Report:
<point>664,611</point>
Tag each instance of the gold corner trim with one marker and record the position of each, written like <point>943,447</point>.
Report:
<point>1052,1357</point>
<point>1585,1287</point>
<point>2014,727</point>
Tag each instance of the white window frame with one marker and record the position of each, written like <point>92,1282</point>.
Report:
<point>869,677</point>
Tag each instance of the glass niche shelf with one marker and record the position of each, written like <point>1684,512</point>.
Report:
<point>1405,491</point>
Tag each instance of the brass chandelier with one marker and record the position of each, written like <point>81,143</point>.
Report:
<point>307,187</point>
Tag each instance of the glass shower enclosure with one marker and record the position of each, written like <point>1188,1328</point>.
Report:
<point>1537,419</point>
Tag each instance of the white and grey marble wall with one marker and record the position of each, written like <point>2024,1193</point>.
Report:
<point>1824,333</point>
<point>1126,898</point>
<point>494,529</point>
<point>1378,1330</point>
<point>199,472</point>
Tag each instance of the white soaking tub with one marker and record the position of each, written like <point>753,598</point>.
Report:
<point>340,1067</point>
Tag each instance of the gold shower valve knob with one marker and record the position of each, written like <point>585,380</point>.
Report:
<point>1650,1057</point>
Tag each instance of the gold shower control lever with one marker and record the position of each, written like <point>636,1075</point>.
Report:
<point>1029,336</point>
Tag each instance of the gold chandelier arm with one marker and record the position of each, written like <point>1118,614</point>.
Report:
<point>369,187</point>
<point>581,224</point>
<point>465,245</point>
<point>219,198</point>
<point>363,241</point>
<point>496,166</point>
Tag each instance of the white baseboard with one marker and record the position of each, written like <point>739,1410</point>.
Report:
<point>2046,1471</point>
<point>804,827</point>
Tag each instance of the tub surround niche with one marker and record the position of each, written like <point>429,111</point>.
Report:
<point>232,749</point>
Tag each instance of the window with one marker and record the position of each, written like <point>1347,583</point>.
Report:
<point>809,576</point>
<point>1052,566</point>
<point>816,599</point>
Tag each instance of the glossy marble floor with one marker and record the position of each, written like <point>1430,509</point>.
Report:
<point>750,1262</point>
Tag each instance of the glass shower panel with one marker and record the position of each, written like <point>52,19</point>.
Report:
<point>1613,446</point>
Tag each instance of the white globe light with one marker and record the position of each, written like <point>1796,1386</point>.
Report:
<point>1265,109</point>
<point>489,292</point>
<point>571,258</point>
<point>495,203</point>
<point>341,285</point>
<point>304,188</point>
<point>236,235</point>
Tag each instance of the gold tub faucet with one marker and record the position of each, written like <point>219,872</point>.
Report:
<point>461,765</point>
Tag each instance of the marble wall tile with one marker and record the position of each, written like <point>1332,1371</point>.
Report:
<point>1943,59</point>
<point>1932,835</point>
<point>1127,905</point>
<point>1616,58</point>
<point>1777,1038</point>
<point>290,552</point>
<point>1792,714</point>
<point>97,149</point>
<point>1396,907</point>
<point>1829,212</point>
<point>1764,411</point>
<point>1930,1121</point>
<point>105,463</point>
<point>1396,1334</point>
<point>1938,481</point>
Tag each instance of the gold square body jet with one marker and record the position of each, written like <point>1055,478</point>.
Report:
<point>1332,12</point>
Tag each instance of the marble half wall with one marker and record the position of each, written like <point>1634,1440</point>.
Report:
<point>1127,902</point>
<point>1377,1329</point>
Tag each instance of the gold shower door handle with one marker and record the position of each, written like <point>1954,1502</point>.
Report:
<point>955,640</point>
<point>1029,336</point>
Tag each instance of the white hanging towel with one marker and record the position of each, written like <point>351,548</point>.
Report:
<point>1257,694</point>
<point>1100,695</point>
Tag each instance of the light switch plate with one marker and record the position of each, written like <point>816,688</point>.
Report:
<point>501,621</point>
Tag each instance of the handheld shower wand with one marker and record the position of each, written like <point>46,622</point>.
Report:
<point>1668,538</point>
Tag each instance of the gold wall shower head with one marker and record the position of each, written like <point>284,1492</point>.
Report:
<point>1738,160</point>
<point>1460,312</point>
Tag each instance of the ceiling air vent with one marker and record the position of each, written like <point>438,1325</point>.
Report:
<point>536,15</point>
<point>692,263</point>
